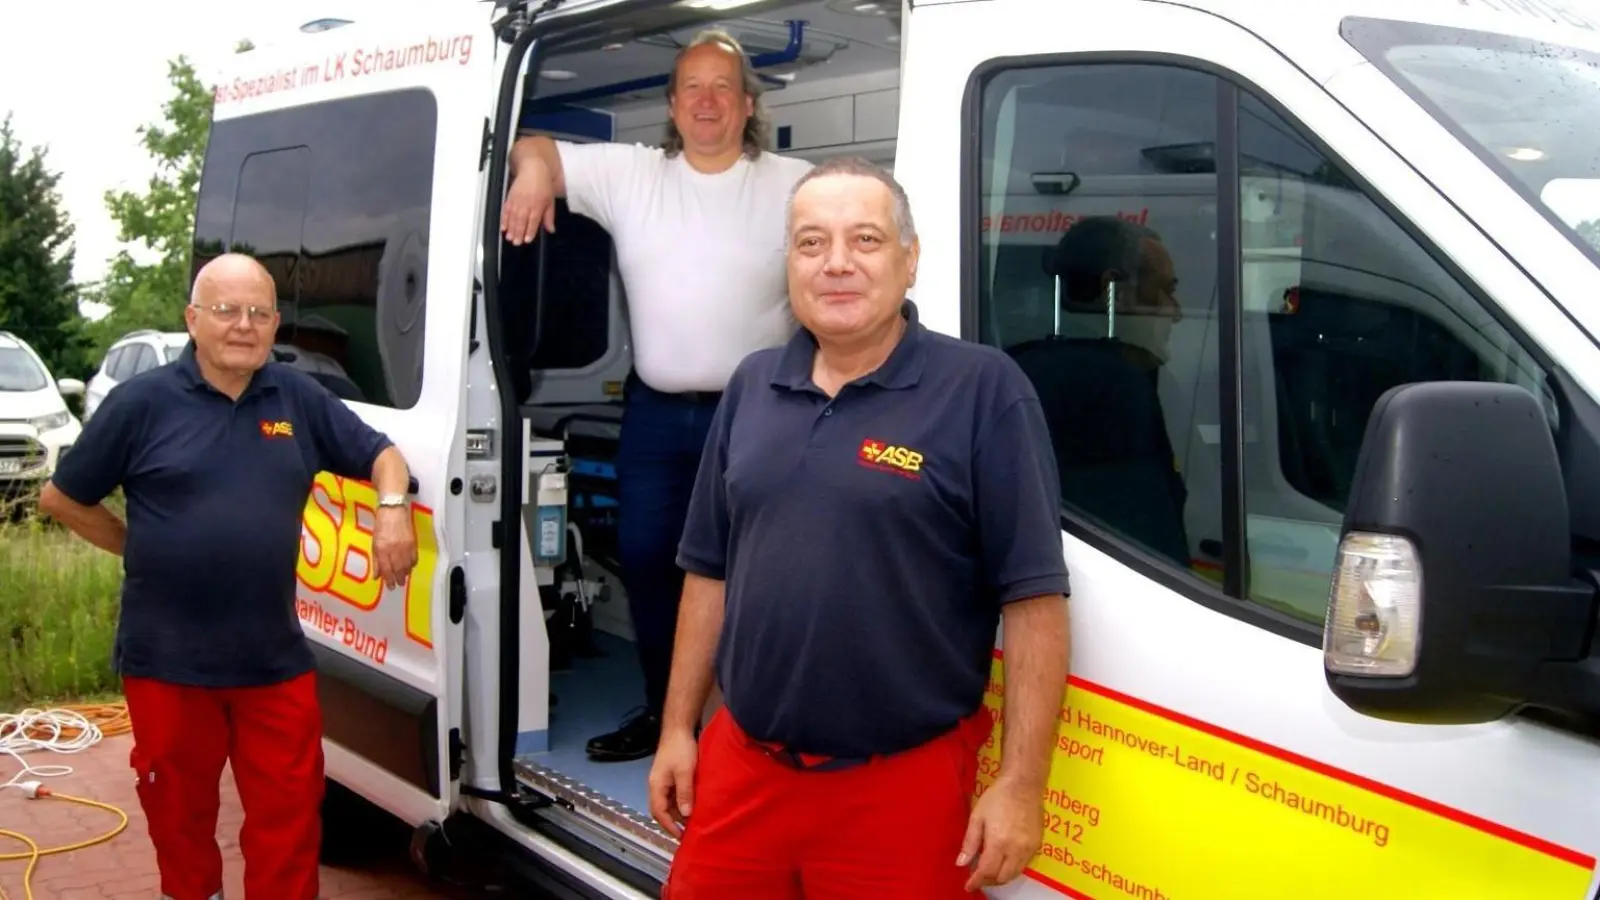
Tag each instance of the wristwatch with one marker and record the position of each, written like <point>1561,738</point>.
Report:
<point>391,500</point>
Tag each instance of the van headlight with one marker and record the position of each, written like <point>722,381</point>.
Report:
<point>1374,617</point>
<point>51,422</point>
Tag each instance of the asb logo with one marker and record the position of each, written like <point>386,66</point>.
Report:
<point>876,454</point>
<point>276,429</point>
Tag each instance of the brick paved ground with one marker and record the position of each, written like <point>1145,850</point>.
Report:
<point>125,867</point>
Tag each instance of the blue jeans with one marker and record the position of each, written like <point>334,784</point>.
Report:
<point>663,436</point>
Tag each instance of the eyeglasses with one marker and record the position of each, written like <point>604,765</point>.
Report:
<point>229,312</point>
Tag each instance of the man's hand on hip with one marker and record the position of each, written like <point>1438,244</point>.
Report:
<point>394,545</point>
<point>1004,832</point>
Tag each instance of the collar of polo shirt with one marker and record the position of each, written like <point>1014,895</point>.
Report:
<point>903,368</point>
<point>188,369</point>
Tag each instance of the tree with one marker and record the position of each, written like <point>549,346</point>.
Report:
<point>152,295</point>
<point>1589,230</point>
<point>38,300</point>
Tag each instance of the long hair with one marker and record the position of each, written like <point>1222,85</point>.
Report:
<point>756,128</point>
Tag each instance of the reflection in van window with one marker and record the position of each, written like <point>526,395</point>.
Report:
<point>334,198</point>
<point>1098,275</point>
<point>269,215</point>
<point>1340,305</point>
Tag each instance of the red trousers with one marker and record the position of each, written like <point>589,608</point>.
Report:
<point>272,736</point>
<point>889,829</point>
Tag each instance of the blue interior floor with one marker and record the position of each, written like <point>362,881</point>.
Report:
<point>592,698</point>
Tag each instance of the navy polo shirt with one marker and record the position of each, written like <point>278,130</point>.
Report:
<point>869,541</point>
<point>215,492</point>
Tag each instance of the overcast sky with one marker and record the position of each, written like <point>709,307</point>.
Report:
<point>81,77</point>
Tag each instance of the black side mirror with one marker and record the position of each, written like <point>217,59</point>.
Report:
<point>1454,599</point>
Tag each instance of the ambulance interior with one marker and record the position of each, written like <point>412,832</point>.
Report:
<point>830,72</point>
<point>1340,304</point>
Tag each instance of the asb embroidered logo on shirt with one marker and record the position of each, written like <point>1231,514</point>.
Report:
<point>280,429</point>
<point>886,457</point>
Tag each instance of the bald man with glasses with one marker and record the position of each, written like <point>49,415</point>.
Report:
<point>215,453</point>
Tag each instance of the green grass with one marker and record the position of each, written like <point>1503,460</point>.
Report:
<point>58,614</point>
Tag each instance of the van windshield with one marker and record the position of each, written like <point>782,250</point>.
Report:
<point>1526,107</point>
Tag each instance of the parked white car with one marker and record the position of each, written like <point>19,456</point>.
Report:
<point>36,426</point>
<point>133,353</point>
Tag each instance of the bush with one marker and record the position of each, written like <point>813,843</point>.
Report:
<point>58,614</point>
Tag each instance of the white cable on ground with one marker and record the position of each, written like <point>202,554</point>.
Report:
<point>54,730</point>
<point>71,729</point>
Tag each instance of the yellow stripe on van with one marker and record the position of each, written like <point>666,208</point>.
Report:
<point>1146,802</point>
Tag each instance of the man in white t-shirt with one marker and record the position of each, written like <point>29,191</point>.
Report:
<point>700,236</point>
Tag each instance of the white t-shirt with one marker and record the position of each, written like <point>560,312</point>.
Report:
<point>702,256</point>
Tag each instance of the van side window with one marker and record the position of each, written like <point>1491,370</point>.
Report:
<point>269,215</point>
<point>335,198</point>
<point>1097,273</point>
<point>1339,305</point>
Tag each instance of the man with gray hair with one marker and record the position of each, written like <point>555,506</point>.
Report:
<point>698,230</point>
<point>874,501</point>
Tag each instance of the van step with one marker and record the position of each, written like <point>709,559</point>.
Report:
<point>580,798</point>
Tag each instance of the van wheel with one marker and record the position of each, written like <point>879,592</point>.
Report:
<point>353,830</point>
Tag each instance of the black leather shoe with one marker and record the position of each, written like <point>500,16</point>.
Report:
<point>636,739</point>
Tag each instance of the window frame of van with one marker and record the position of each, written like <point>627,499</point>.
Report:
<point>1232,598</point>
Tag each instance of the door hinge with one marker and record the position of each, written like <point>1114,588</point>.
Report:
<point>458,752</point>
<point>458,595</point>
<point>488,143</point>
<point>495,534</point>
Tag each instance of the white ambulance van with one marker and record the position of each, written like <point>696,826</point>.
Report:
<point>1333,548</point>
